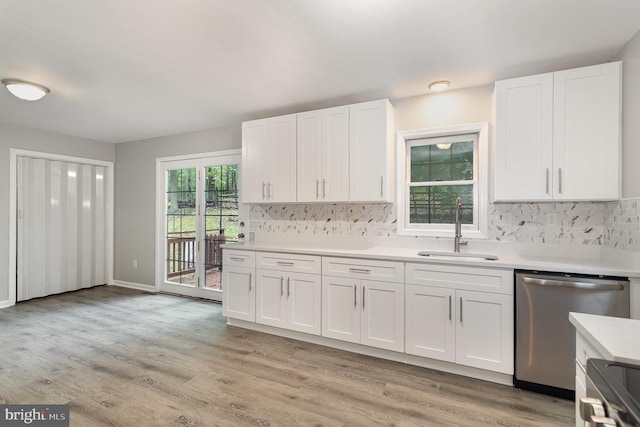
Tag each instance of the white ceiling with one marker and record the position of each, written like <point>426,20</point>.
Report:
<point>122,70</point>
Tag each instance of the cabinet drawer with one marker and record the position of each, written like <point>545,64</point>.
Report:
<point>288,262</point>
<point>584,351</point>
<point>386,271</point>
<point>469,278</point>
<point>239,258</point>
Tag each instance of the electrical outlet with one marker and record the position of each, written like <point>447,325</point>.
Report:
<point>135,263</point>
<point>552,219</point>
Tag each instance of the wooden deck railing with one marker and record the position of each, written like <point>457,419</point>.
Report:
<point>181,253</point>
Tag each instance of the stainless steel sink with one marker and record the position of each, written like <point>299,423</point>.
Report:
<point>435,254</point>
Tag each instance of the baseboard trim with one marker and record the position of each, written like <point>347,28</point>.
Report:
<point>133,285</point>
<point>6,303</point>
<point>453,368</point>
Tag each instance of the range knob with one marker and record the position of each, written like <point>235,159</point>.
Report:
<point>597,421</point>
<point>590,407</point>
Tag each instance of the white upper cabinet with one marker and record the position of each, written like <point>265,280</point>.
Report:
<point>558,135</point>
<point>371,176</point>
<point>269,160</point>
<point>323,155</point>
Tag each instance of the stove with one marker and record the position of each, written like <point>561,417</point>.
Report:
<point>613,394</point>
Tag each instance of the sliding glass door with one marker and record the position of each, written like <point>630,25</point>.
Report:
<point>201,212</point>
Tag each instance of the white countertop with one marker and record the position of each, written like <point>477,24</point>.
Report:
<point>616,338</point>
<point>509,260</point>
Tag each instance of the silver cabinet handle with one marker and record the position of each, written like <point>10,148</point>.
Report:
<point>286,263</point>
<point>355,296</point>
<point>359,270</point>
<point>547,181</point>
<point>250,278</point>
<point>264,185</point>
<point>324,188</point>
<point>288,287</point>
<point>449,308</point>
<point>381,186</point>
<point>281,286</point>
<point>269,195</point>
<point>559,180</point>
<point>236,258</point>
<point>461,310</point>
<point>317,188</point>
<point>363,296</point>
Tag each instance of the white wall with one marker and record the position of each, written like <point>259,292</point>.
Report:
<point>135,188</point>
<point>36,140</point>
<point>630,55</point>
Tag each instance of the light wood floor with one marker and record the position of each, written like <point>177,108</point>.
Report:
<point>126,358</point>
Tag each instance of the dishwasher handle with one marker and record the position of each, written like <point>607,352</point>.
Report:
<point>596,285</point>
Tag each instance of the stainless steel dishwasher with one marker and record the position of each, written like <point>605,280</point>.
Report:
<point>545,340</point>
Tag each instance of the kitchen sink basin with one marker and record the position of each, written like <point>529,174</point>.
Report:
<point>435,254</point>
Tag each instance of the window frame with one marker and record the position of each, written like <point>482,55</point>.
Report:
<point>477,230</point>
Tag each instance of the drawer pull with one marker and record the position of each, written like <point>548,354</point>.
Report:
<point>286,263</point>
<point>237,258</point>
<point>359,270</point>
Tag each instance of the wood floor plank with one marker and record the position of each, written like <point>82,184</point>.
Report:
<point>122,357</point>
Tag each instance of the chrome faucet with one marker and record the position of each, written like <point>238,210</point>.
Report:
<point>456,240</point>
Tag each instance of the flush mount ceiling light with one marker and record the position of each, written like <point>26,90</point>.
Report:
<point>25,90</point>
<point>439,85</point>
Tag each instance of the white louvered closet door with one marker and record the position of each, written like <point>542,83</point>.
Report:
<point>62,213</point>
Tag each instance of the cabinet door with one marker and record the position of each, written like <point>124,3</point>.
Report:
<point>587,133</point>
<point>309,156</point>
<point>238,299</point>
<point>382,320</point>
<point>340,313</point>
<point>524,117</point>
<point>280,158</point>
<point>370,152</point>
<point>254,140</point>
<point>303,293</point>
<point>270,298</point>
<point>484,332</point>
<point>430,322</point>
<point>334,186</point>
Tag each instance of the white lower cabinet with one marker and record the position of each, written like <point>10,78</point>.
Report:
<point>363,311</point>
<point>452,323</point>
<point>288,291</point>
<point>458,314</point>
<point>288,300</point>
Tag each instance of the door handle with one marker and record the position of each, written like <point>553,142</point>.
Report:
<point>363,296</point>
<point>355,296</point>
<point>324,188</point>
<point>264,185</point>
<point>288,287</point>
<point>317,188</point>
<point>461,310</point>
<point>559,180</point>
<point>281,286</point>
<point>250,279</point>
<point>449,308</point>
<point>547,181</point>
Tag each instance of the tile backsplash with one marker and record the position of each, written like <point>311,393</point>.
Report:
<point>611,224</point>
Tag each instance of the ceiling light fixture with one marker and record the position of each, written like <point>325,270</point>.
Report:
<point>439,85</point>
<point>25,90</point>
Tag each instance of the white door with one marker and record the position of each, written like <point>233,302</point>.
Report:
<point>62,226</point>
<point>382,307</point>
<point>587,132</point>
<point>303,293</point>
<point>524,138</point>
<point>484,333</point>
<point>270,298</point>
<point>430,322</point>
<point>340,309</point>
<point>281,159</point>
<point>239,295</point>
<point>200,213</point>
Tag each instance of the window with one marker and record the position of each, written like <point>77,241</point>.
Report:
<point>436,166</point>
